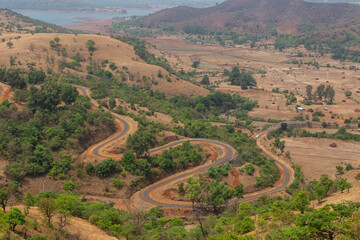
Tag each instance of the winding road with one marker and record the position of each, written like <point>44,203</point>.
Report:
<point>230,154</point>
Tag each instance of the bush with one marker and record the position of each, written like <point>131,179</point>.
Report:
<point>90,169</point>
<point>106,168</point>
<point>69,186</point>
<point>349,167</point>
<point>250,169</point>
<point>118,183</point>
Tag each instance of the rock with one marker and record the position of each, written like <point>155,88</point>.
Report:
<point>333,145</point>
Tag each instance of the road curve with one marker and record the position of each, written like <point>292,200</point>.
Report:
<point>230,154</point>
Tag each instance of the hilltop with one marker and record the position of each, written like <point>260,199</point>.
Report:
<point>249,16</point>
<point>35,51</point>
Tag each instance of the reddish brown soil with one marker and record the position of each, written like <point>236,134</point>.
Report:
<point>235,173</point>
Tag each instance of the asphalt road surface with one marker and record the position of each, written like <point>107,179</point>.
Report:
<point>231,153</point>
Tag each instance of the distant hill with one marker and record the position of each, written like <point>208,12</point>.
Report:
<point>90,5</point>
<point>13,22</point>
<point>259,16</point>
<point>63,5</point>
<point>333,1</point>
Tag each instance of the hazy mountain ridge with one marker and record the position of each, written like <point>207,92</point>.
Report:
<point>256,16</point>
<point>91,5</point>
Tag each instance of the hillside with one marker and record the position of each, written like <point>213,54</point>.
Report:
<point>250,16</point>
<point>12,22</point>
<point>35,51</point>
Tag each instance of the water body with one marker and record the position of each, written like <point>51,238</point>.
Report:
<point>69,18</point>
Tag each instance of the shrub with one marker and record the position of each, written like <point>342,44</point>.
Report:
<point>357,177</point>
<point>69,186</point>
<point>118,183</point>
<point>106,168</point>
<point>250,169</point>
<point>90,169</point>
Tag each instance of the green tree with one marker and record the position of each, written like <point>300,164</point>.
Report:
<point>301,201</point>
<point>57,40</point>
<point>323,223</point>
<point>330,94</point>
<point>193,190</point>
<point>90,169</point>
<point>246,225</point>
<point>90,45</point>
<point>69,94</point>
<point>320,90</point>
<point>112,103</point>
<point>241,79</point>
<point>15,217</point>
<point>9,44</point>
<point>245,210</point>
<point>205,80</point>
<point>319,192</point>
<point>309,91</point>
<point>327,183</point>
<point>218,195</point>
<point>250,169</point>
<point>48,97</point>
<point>195,64</point>
<point>48,208</point>
<point>279,144</point>
<point>340,170</point>
<point>36,76</point>
<point>128,161</point>
<point>118,183</point>
<point>349,167</point>
<point>14,79</point>
<point>106,168</point>
<point>68,204</point>
<point>69,186</point>
<point>181,189</point>
<point>52,44</point>
<point>348,93</point>
<point>239,191</point>
<point>343,184</point>
<point>141,141</point>
<point>4,197</point>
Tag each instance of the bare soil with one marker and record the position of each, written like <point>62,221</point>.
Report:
<point>316,157</point>
<point>279,73</point>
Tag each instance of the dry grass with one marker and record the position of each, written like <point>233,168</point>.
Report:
<point>316,157</point>
<point>36,49</point>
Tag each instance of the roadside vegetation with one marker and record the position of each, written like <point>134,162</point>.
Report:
<point>272,218</point>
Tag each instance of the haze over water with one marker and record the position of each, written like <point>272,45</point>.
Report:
<point>70,18</point>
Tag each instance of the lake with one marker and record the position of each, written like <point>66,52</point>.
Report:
<point>69,18</point>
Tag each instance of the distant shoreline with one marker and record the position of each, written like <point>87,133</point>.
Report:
<point>118,11</point>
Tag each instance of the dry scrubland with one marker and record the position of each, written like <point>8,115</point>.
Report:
<point>317,157</point>
<point>314,155</point>
<point>36,49</point>
<point>280,73</point>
